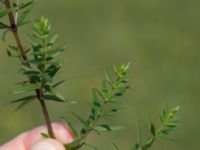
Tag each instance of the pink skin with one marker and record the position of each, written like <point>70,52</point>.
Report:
<point>25,140</point>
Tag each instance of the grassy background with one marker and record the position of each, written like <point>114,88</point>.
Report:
<point>159,37</point>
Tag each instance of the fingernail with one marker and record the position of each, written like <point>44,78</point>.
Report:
<point>48,144</point>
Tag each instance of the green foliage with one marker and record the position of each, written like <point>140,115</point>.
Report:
<point>41,67</point>
<point>39,64</point>
<point>112,88</point>
<point>21,12</point>
<point>168,123</point>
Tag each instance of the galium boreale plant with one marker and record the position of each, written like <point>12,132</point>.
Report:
<point>40,66</point>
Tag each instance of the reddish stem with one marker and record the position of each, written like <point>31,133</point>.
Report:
<point>24,58</point>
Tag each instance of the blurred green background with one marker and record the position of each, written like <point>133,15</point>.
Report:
<point>159,37</point>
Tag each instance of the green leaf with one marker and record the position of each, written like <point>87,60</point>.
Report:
<point>121,71</point>
<point>22,17</point>
<point>53,69</point>
<point>96,104</point>
<point>74,145</point>
<point>104,127</point>
<point>95,111</point>
<point>4,12</point>
<point>152,129</point>
<point>135,147</point>
<point>24,103</point>
<point>24,68</point>
<point>12,52</point>
<point>29,71</point>
<point>74,131</point>
<point>45,135</point>
<point>53,53</point>
<point>52,41</point>
<point>14,48</point>
<point>25,5</point>
<point>119,93</point>
<point>54,92</point>
<point>126,67</point>
<point>173,111</point>
<point>3,26</point>
<point>58,83</point>
<point>9,53</point>
<point>22,83</point>
<point>104,89</point>
<point>27,98</point>
<point>80,119</point>
<point>115,146</point>
<point>27,88</point>
<point>110,112</point>
<point>139,136</point>
<point>108,77</point>
<point>52,98</point>
<point>162,117</point>
<point>149,144</point>
<point>36,50</point>
<point>95,96</point>
<point>3,34</point>
<point>91,146</point>
<point>32,73</point>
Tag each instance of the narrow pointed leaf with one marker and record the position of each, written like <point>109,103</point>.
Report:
<point>25,5</point>
<point>54,92</point>
<point>74,131</point>
<point>91,146</point>
<point>27,98</point>
<point>104,89</point>
<point>53,69</point>
<point>115,146</point>
<point>80,119</point>
<point>58,83</point>
<point>52,98</point>
<point>152,129</point>
<point>108,77</point>
<point>3,26</point>
<point>3,34</point>
<point>27,88</point>
<point>74,145</point>
<point>135,147</point>
<point>24,103</point>
<point>22,17</point>
<point>95,97</point>
<point>104,127</point>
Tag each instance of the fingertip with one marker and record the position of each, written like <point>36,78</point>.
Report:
<point>61,130</point>
<point>63,133</point>
<point>49,144</point>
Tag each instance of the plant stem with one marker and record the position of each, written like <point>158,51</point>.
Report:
<point>24,59</point>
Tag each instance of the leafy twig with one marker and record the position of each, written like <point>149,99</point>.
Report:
<point>111,89</point>
<point>167,125</point>
<point>41,69</point>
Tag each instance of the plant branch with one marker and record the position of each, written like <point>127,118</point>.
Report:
<point>24,59</point>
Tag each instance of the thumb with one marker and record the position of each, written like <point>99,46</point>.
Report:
<point>61,130</point>
<point>26,140</point>
<point>49,144</point>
